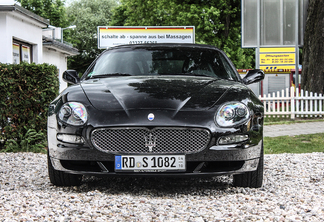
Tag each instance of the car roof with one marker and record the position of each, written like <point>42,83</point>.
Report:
<point>166,45</point>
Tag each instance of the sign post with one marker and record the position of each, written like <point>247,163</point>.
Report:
<point>274,24</point>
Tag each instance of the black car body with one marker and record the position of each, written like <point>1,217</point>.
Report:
<point>157,110</point>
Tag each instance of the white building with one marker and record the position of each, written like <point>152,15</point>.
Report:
<point>24,36</point>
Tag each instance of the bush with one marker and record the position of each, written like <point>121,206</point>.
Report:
<point>26,91</point>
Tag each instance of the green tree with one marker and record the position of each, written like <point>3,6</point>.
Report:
<point>54,10</point>
<point>87,15</point>
<point>313,50</point>
<point>216,23</point>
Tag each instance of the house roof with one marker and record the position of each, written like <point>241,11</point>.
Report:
<point>59,46</point>
<point>47,42</point>
<point>25,12</point>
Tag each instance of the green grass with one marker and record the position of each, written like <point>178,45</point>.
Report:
<point>294,144</point>
<point>282,120</point>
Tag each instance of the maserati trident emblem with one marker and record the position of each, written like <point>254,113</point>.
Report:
<point>150,142</point>
<point>150,116</point>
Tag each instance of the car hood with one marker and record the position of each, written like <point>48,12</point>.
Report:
<point>163,93</point>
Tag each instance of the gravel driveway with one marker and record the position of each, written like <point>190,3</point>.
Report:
<point>293,191</point>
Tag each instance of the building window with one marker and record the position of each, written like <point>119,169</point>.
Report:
<point>21,52</point>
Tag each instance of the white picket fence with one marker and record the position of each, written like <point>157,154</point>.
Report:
<point>289,103</point>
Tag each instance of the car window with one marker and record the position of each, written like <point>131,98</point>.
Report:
<point>163,61</point>
<point>228,69</point>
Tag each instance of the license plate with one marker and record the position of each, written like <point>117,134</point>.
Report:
<point>156,163</point>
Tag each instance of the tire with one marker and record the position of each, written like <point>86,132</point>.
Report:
<point>252,179</point>
<point>60,178</point>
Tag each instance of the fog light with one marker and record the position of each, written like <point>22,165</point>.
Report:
<point>67,138</point>
<point>230,139</point>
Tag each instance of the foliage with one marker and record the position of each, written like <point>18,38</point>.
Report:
<point>54,10</point>
<point>216,23</point>
<point>313,51</point>
<point>26,91</point>
<point>87,15</point>
<point>32,141</point>
<point>294,144</point>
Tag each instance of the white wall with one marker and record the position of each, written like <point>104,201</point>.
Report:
<point>51,56</point>
<point>23,28</point>
<point>5,41</point>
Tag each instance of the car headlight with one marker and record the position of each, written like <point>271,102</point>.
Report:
<point>231,114</point>
<point>73,113</point>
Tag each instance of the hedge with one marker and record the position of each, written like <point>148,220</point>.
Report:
<point>25,91</point>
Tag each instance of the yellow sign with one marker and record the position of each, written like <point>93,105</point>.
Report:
<point>277,58</point>
<point>287,49</point>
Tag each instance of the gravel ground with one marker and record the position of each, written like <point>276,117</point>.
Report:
<point>293,191</point>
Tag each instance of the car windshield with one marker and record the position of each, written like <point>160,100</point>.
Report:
<point>162,61</point>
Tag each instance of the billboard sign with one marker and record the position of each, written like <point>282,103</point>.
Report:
<point>110,36</point>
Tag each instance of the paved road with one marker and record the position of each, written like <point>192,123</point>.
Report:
<point>294,129</point>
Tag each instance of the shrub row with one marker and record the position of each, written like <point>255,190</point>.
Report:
<point>25,91</point>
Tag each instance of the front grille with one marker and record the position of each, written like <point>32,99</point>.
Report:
<point>144,140</point>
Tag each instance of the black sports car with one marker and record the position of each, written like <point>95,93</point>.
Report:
<point>157,110</point>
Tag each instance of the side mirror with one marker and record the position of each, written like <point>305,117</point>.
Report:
<point>253,76</point>
<point>71,76</point>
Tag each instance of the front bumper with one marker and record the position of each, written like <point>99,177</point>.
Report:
<point>212,161</point>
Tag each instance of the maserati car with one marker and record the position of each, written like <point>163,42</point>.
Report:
<point>158,110</point>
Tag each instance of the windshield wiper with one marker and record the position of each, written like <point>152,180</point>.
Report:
<point>108,75</point>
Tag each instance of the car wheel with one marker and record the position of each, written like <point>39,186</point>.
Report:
<point>60,178</point>
<point>252,179</point>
